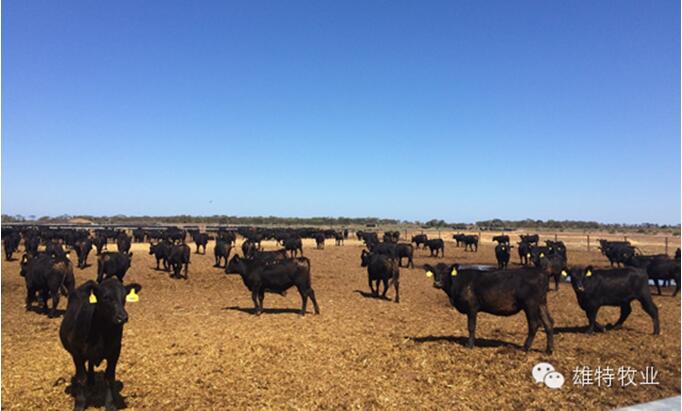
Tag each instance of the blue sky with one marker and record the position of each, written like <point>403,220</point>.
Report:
<point>460,110</point>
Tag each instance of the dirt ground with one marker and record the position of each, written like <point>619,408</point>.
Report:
<point>195,344</point>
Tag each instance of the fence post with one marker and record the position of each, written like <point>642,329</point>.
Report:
<point>439,233</point>
<point>666,245</point>
<point>555,238</point>
<point>588,242</point>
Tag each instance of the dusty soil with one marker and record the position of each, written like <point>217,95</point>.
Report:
<point>195,344</point>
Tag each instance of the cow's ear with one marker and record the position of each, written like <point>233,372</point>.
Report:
<point>91,289</point>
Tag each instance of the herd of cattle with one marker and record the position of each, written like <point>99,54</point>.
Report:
<point>92,326</point>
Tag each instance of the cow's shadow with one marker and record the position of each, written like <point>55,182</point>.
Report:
<point>252,310</point>
<point>577,329</point>
<point>365,294</point>
<point>462,340</point>
<point>94,394</point>
<point>59,312</point>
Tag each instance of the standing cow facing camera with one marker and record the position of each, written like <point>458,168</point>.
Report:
<point>502,254</point>
<point>92,330</point>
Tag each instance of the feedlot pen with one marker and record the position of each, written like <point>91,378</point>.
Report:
<point>195,344</point>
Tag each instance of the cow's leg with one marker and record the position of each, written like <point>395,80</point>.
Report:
<point>110,380</point>
<point>261,297</point>
<point>677,285</point>
<point>396,285</point>
<point>592,317</point>
<point>91,373</point>
<point>471,325</point>
<point>557,278</point>
<point>371,287</point>
<point>658,285</point>
<point>533,318</point>
<point>548,325</point>
<point>304,299</point>
<point>54,294</point>
<point>44,295</point>
<point>78,384</point>
<point>650,308</point>
<point>254,297</point>
<point>30,297</point>
<point>625,310</point>
<point>186,270</point>
<point>410,263</point>
<point>311,294</point>
<point>385,281</point>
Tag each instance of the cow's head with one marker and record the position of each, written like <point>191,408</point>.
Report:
<point>364,258</point>
<point>442,274</point>
<point>580,277</point>
<point>110,297</point>
<point>235,265</point>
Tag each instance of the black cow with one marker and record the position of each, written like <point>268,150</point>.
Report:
<point>557,247</point>
<point>678,254</point>
<point>319,241</point>
<point>381,268</point>
<point>47,275</point>
<point>138,235</point>
<point>277,277</point>
<point>161,251</point>
<point>83,248</point>
<point>435,246</point>
<point>100,243</point>
<point>221,251</point>
<point>92,330</point>
<point>502,254</point>
<point>502,293</point>
<point>524,252</point>
<point>658,268</point>
<point>554,265</point>
<point>177,258</point>
<point>31,242</point>
<point>614,287</point>
<point>470,242</point>
<point>530,239</point>
<point>536,253</point>
<point>387,249</point>
<point>405,250</point>
<point>338,237</point>
<point>123,243</point>
<point>294,245</point>
<point>618,252</point>
<point>228,236</point>
<point>501,239</point>
<point>269,257</point>
<point>201,240</point>
<point>420,239</point>
<point>249,248</point>
<point>113,264</point>
<point>11,244</point>
<point>459,238</point>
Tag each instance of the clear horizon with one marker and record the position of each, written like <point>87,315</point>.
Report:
<point>455,111</point>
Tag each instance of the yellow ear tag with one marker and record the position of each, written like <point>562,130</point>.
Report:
<point>564,273</point>
<point>92,298</point>
<point>528,255</point>
<point>132,297</point>
<point>542,255</point>
<point>454,272</point>
<point>588,274</point>
<point>429,274</point>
